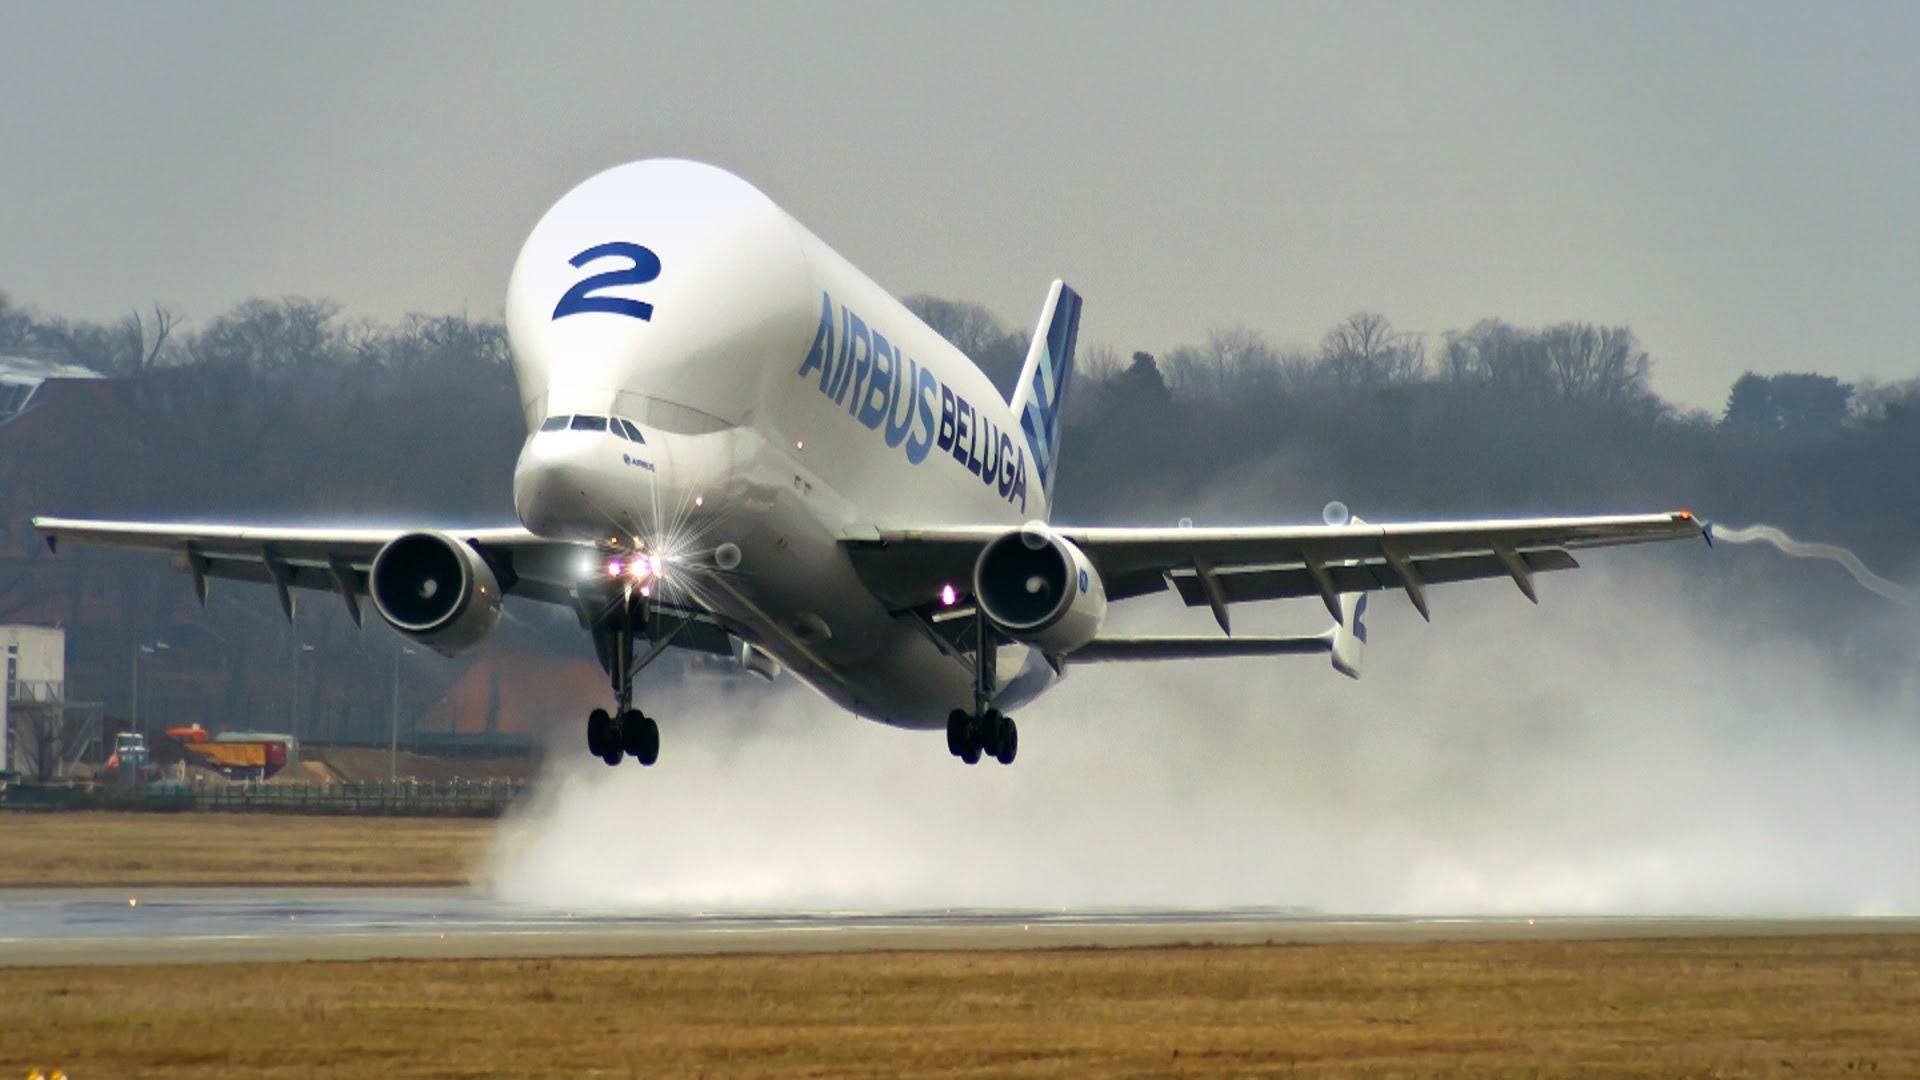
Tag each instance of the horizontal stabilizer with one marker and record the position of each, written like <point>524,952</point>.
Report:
<point>1349,635</point>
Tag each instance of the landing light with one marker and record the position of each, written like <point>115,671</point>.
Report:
<point>947,596</point>
<point>614,567</point>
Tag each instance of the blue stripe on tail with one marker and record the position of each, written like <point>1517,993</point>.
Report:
<point>1044,380</point>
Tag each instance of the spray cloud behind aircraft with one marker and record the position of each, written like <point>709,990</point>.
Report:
<point>1633,756</point>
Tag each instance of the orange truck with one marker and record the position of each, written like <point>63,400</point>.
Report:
<point>235,754</point>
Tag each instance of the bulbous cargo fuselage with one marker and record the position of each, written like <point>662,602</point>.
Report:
<point>698,370</point>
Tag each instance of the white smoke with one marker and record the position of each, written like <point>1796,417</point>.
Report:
<point>1612,751</point>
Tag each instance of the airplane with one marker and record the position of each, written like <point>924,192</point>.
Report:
<point>737,443</point>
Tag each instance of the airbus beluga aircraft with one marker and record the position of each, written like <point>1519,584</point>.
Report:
<point>739,444</point>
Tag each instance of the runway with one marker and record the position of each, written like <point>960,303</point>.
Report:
<point>176,925</point>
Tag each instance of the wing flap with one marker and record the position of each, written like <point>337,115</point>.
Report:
<point>906,567</point>
<point>1194,648</point>
<point>1241,586</point>
<point>322,559</point>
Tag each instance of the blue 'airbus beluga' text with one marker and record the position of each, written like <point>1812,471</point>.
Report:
<point>893,394</point>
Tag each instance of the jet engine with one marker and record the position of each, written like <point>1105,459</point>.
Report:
<point>436,590</point>
<point>1041,590</point>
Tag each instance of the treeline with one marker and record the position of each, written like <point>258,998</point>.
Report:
<point>307,407</point>
<point>303,405</point>
<point>289,337</point>
<point>291,407</point>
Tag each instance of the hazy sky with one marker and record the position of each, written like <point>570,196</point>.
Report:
<point>1738,182</point>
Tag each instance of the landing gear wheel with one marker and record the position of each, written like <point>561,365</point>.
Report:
<point>598,723</point>
<point>957,721</point>
<point>640,736</point>
<point>1007,744</point>
<point>970,753</point>
<point>612,756</point>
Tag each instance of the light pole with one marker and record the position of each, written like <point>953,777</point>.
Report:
<point>393,721</point>
<point>148,649</point>
<point>293,699</point>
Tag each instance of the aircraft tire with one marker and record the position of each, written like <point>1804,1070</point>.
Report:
<point>597,724</point>
<point>970,753</point>
<point>957,732</point>
<point>640,736</point>
<point>987,733</point>
<point>612,756</point>
<point>1007,744</point>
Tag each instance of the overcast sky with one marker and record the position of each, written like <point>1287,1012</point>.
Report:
<point>1740,183</point>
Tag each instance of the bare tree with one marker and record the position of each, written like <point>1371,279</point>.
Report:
<point>976,332</point>
<point>290,335</point>
<point>1365,351</point>
<point>1602,364</point>
<point>146,353</point>
<point>970,327</point>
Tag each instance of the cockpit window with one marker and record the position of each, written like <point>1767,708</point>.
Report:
<point>632,430</point>
<point>589,423</point>
<point>555,423</point>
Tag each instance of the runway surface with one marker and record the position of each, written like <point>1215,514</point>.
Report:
<point>118,926</point>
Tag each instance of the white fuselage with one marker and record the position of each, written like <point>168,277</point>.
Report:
<point>786,403</point>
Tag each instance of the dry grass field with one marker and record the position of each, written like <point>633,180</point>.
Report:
<point>1771,1006</point>
<point>237,849</point>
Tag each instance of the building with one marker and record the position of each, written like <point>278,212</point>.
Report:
<point>43,733</point>
<point>21,379</point>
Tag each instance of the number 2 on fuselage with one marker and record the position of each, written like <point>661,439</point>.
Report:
<point>581,298</point>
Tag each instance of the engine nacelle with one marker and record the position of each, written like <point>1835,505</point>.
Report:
<point>436,590</point>
<point>1041,590</point>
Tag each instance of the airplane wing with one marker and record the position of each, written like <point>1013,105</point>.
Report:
<point>337,560</point>
<point>1219,567</point>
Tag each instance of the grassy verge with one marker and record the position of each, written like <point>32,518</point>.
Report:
<point>236,849</point>
<point>1825,1006</point>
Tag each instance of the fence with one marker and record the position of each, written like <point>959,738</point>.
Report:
<point>479,798</point>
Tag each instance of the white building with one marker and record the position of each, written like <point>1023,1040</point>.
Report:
<point>38,736</point>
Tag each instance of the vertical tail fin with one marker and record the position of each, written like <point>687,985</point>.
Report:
<point>1043,380</point>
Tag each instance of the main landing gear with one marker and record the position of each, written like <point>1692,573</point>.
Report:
<point>626,731</point>
<point>985,730</point>
<point>969,735</point>
<point>633,734</point>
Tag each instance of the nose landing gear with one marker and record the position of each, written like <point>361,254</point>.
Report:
<point>626,731</point>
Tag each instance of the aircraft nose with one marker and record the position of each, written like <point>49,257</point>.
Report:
<point>548,486</point>
<point>578,485</point>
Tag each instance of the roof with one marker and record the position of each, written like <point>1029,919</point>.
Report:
<point>21,376</point>
<point>27,367</point>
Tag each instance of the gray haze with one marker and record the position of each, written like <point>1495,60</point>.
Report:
<point>1736,182</point>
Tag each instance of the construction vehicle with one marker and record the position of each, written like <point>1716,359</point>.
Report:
<point>237,755</point>
<point>130,762</point>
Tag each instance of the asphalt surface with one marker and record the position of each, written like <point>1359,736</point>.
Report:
<point>175,925</point>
